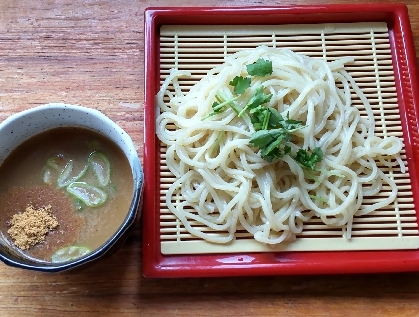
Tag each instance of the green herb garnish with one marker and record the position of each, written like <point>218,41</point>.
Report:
<point>273,142</point>
<point>220,105</point>
<point>260,68</point>
<point>240,84</point>
<point>217,142</point>
<point>259,98</point>
<point>307,160</point>
<point>273,131</point>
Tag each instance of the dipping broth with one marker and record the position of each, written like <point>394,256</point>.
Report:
<point>38,173</point>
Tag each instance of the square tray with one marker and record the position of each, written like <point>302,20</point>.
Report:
<point>157,264</point>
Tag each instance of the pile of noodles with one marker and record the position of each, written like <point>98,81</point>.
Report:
<point>225,184</point>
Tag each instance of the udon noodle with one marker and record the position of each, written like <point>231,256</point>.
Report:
<point>225,184</point>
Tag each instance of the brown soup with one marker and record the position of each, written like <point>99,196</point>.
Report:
<point>38,173</point>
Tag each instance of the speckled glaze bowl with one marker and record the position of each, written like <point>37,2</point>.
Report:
<point>23,125</point>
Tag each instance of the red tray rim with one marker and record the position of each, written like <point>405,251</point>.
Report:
<point>156,264</point>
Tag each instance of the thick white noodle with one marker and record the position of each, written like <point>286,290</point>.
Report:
<point>223,182</point>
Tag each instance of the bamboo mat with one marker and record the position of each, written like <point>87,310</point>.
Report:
<point>199,48</point>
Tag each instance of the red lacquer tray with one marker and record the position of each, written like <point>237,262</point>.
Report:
<point>156,264</point>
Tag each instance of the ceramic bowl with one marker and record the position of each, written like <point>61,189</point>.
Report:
<point>23,125</point>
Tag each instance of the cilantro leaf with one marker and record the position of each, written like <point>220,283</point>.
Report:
<point>221,97</point>
<point>258,117</point>
<point>219,106</point>
<point>273,133</point>
<point>291,124</point>
<point>307,160</point>
<point>275,118</point>
<point>266,118</point>
<point>273,150</point>
<point>270,118</point>
<point>270,143</point>
<point>258,99</point>
<point>216,109</point>
<point>263,138</point>
<point>240,84</point>
<point>260,68</point>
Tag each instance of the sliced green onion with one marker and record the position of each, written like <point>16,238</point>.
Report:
<point>69,253</point>
<point>217,142</point>
<point>54,162</point>
<point>47,178</point>
<point>88,194</point>
<point>101,167</point>
<point>67,176</point>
